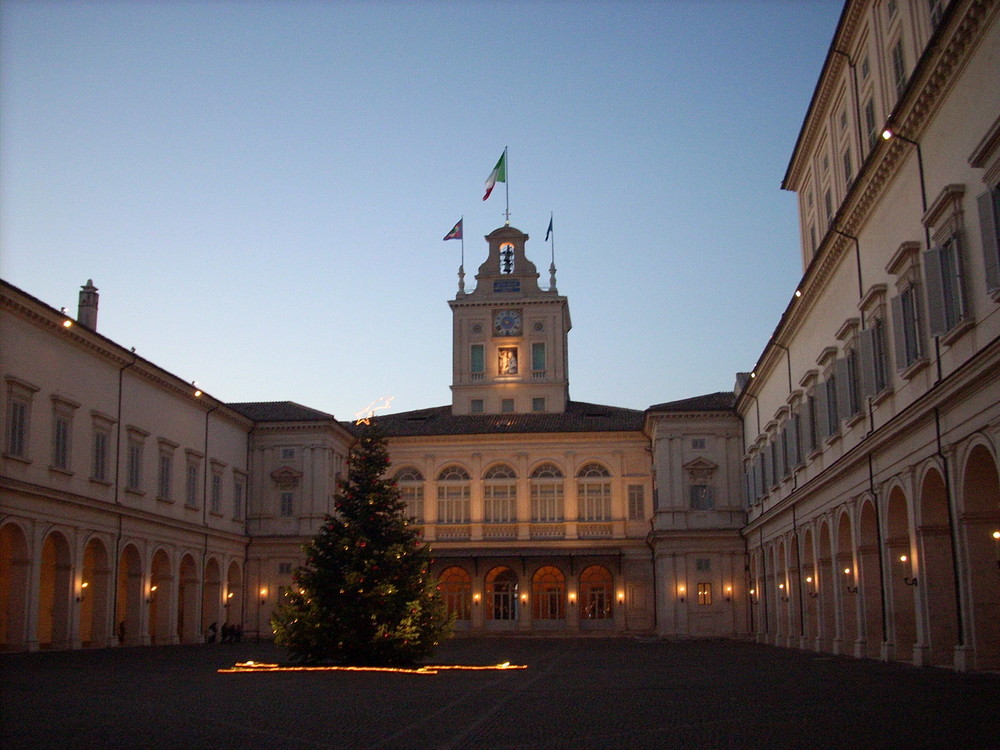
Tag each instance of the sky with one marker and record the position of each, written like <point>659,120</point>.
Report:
<point>260,190</point>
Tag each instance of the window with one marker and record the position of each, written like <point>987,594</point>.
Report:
<point>163,479</point>
<point>216,490</point>
<point>477,360</point>
<point>946,303</point>
<point>546,494</point>
<point>191,474</point>
<point>828,205</point>
<point>284,568</point>
<point>455,586</point>
<point>134,451</point>
<point>596,600</point>
<point>453,495</point>
<point>476,406</point>
<point>17,428</point>
<point>898,67</point>
<point>907,326</point>
<point>826,408</point>
<point>704,593</point>
<point>287,454</point>
<point>287,504</point>
<point>848,169</point>
<point>60,441</point>
<point>989,224</point>
<point>501,594</point>
<point>871,126</point>
<point>411,491</point>
<point>703,564</point>
<point>238,485</point>
<point>507,405</point>
<point>538,404</point>
<point>890,9</point>
<point>701,497</point>
<point>102,439</point>
<point>500,495</point>
<point>810,432</point>
<point>636,502</point>
<point>697,444</point>
<point>538,358</point>
<point>934,6</point>
<point>594,493</point>
<point>848,393</point>
<point>874,368</point>
<point>866,68</point>
<point>548,594</point>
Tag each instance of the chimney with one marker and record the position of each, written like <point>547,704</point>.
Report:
<point>87,312</point>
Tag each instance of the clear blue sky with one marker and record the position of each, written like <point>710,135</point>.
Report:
<point>259,190</point>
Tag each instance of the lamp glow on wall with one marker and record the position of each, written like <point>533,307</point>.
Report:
<point>680,592</point>
<point>263,596</point>
<point>784,594</point>
<point>996,538</point>
<point>812,592</point>
<point>83,592</point>
<point>229,598</point>
<point>906,579</point>
<point>851,589</point>
<point>152,590</point>
<point>729,593</point>
<point>475,599</point>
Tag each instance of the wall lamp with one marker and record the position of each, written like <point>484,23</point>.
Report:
<point>851,589</point>
<point>572,597</point>
<point>906,579</point>
<point>228,601</point>
<point>83,592</point>
<point>475,599</point>
<point>729,593</point>
<point>996,537</point>
<point>680,593</point>
<point>152,590</point>
<point>813,594</point>
<point>263,597</point>
<point>784,594</point>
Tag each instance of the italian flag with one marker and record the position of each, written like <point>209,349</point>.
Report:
<point>499,174</point>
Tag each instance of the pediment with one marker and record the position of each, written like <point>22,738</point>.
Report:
<point>700,469</point>
<point>286,477</point>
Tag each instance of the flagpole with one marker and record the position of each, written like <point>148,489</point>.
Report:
<point>506,184</point>
<point>462,222</point>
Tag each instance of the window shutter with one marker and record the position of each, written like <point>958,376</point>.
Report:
<point>822,426</point>
<point>807,431</point>
<point>899,332</point>
<point>935,291</point>
<point>843,384</point>
<point>988,227</point>
<point>795,435</point>
<point>868,362</point>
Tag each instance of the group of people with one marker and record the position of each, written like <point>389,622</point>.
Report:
<point>230,633</point>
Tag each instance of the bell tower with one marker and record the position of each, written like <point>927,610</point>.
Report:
<point>509,336</point>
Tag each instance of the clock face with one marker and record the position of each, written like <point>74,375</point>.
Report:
<point>507,323</point>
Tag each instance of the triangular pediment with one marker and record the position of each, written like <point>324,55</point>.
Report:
<point>700,468</point>
<point>286,477</point>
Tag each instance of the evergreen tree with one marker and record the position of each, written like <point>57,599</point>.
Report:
<point>364,595</point>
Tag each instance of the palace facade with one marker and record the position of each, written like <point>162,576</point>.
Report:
<point>843,498</point>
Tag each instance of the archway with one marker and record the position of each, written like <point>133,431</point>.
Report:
<point>234,596</point>
<point>211,600</point>
<point>937,572</point>
<point>128,629</point>
<point>774,631</point>
<point>160,595</point>
<point>55,592</point>
<point>810,590</point>
<point>981,494</point>
<point>828,581</point>
<point>870,575</point>
<point>596,597</point>
<point>15,565</point>
<point>95,590</point>
<point>850,585</point>
<point>782,580</point>
<point>455,585</point>
<point>187,602</point>
<point>501,599</point>
<point>902,612</point>
<point>548,597</point>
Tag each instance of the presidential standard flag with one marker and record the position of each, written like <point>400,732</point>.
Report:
<point>499,174</point>
<point>456,232</point>
<point>548,232</point>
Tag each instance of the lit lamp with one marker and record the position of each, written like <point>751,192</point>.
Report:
<point>197,390</point>
<point>906,579</point>
<point>229,597</point>
<point>572,597</point>
<point>813,594</point>
<point>680,593</point>
<point>475,599</point>
<point>83,591</point>
<point>524,598</point>
<point>753,597</point>
<point>781,587</point>
<point>152,590</point>
<point>263,597</point>
<point>729,593</point>
<point>851,589</point>
<point>996,538</point>
<point>621,597</point>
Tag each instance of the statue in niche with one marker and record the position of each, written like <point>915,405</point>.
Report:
<point>508,361</point>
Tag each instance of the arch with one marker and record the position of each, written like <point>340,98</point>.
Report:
<point>810,587</point>
<point>161,592</point>
<point>547,470</point>
<point>936,575</point>
<point>593,469</point>
<point>850,591</point>
<point>129,597</point>
<point>593,490</point>
<point>501,595</point>
<point>410,482</point>
<point>211,600</point>
<point>902,618</point>
<point>234,595</point>
<point>500,471</point>
<point>596,594</point>
<point>453,473</point>
<point>869,572</point>
<point>827,576</point>
<point>54,591</point>
<point>455,585</point>
<point>453,495</point>
<point>15,566</point>
<point>188,630</point>
<point>548,595</point>
<point>95,594</point>
<point>981,520</point>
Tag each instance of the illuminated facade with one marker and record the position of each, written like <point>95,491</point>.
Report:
<point>843,498</point>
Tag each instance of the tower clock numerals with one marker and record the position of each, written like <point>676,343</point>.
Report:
<point>507,323</point>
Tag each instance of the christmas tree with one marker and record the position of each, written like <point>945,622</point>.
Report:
<point>364,595</point>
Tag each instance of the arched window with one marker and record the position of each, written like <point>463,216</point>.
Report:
<point>594,493</point>
<point>411,491</point>
<point>500,495</point>
<point>596,585</point>
<point>548,594</point>
<point>501,594</point>
<point>453,495</point>
<point>455,586</point>
<point>546,494</point>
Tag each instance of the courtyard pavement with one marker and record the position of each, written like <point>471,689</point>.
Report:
<point>575,693</point>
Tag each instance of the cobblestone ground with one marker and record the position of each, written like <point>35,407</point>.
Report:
<point>582,693</point>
